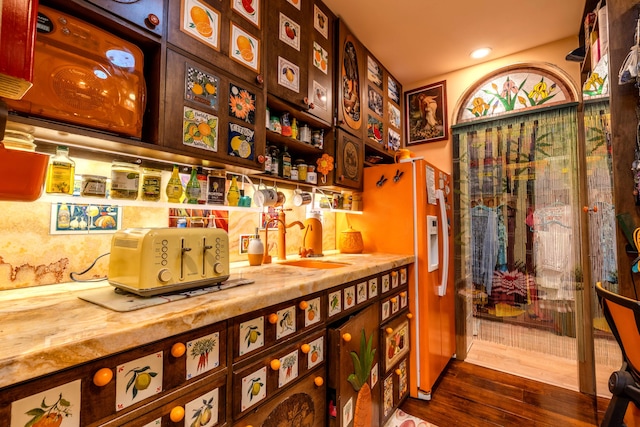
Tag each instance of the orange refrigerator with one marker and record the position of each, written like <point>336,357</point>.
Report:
<point>407,210</point>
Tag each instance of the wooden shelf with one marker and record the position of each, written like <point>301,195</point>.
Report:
<point>293,145</point>
<point>296,112</point>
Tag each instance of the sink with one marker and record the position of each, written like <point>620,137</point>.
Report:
<point>311,263</point>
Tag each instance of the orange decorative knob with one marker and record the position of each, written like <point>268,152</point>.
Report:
<point>409,316</point>
<point>303,305</point>
<point>273,318</point>
<point>394,300</point>
<point>346,337</point>
<point>178,350</point>
<point>318,381</point>
<point>398,372</point>
<point>394,273</point>
<point>389,331</point>
<point>103,377</point>
<point>305,348</point>
<point>176,414</point>
<point>403,294</point>
<point>275,364</point>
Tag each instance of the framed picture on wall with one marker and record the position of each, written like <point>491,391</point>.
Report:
<point>426,114</point>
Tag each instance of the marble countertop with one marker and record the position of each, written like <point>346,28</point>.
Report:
<point>48,328</point>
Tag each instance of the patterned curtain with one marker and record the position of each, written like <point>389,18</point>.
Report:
<point>518,216</point>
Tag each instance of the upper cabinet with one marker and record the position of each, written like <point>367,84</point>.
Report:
<point>300,56</point>
<point>215,105</point>
<point>350,75</point>
<point>227,34</point>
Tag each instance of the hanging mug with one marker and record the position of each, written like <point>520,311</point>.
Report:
<point>280,199</point>
<point>265,197</point>
<point>301,198</point>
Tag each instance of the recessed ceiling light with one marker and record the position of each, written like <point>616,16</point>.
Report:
<point>480,53</point>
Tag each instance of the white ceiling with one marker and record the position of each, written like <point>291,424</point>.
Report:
<point>419,39</point>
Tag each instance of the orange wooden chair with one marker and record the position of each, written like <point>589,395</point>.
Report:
<point>623,317</point>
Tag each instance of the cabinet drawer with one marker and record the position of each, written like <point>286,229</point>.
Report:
<point>204,401</point>
<point>275,371</point>
<point>126,381</point>
<point>395,342</point>
<point>395,388</point>
<point>261,329</point>
<point>345,299</point>
<point>393,304</point>
<point>304,404</point>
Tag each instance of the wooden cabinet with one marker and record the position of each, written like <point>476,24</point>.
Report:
<point>302,405</point>
<point>286,364</point>
<point>213,114</point>
<point>357,398</point>
<point>227,34</point>
<point>129,384</point>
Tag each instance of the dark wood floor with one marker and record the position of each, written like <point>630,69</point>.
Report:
<point>471,395</point>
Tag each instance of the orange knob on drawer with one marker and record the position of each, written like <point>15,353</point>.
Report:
<point>403,294</point>
<point>273,318</point>
<point>409,316</point>
<point>176,414</point>
<point>389,331</point>
<point>394,300</point>
<point>178,350</point>
<point>305,348</point>
<point>346,337</point>
<point>303,305</point>
<point>103,377</point>
<point>398,372</point>
<point>394,273</point>
<point>318,381</point>
<point>275,364</point>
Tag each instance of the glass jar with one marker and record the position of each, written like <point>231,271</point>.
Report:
<point>302,170</point>
<point>93,186</point>
<point>151,184</point>
<point>125,178</point>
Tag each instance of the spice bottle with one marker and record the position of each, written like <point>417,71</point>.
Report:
<point>61,172</point>
<point>125,179</point>
<point>193,187</point>
<point>204,193</point>
<point>174,186</point>
<point>151,184</point>
<point>285,164</point>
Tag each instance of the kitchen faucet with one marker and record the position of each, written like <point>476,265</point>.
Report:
<point>282,230</point>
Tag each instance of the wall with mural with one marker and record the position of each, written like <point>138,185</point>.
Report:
<point>32,253</point>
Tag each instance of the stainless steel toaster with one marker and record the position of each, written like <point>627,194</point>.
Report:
<point>153,261</point>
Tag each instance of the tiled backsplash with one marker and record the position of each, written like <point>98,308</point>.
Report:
<point>31,256</point>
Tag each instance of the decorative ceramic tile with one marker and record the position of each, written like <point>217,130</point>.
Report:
<point>387,395</point>
<point>403,276</point>
<point>50,407</point>
<point>254,388</point>
<point>403,299</point>
<point>395,279</point>
<point>386,310</point>
<point>288,368</point>
<point>396,344</point>
<point>201,87</point>
<point>361,295</point>
<point>241,142</point>
<point>374,375</point>
<point>245,48</point>
<point>288,74</point>
<point>199,129</point>
<point>248,9</point>
<point>320,22</point>
<point>203,355</point>
<point>203,410</point>
<point>335,303</point>
<point>289,31</point>
<point>373,287</point>
<point>347,412</point>
<point>286,322</point>
<point>395,304</point>
<point>201,22</point>
<point>385,283</point>
<point>349,297</point>
<point>316,353</point>
<point>251,335</point>
<point>402,379</point>
<point>312,313</point>
<point>75,218</point>
<point>320,58</point>
<point>138,379</point>
<point>374,72</point>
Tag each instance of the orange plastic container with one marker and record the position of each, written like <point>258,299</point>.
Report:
<point>22,174</point>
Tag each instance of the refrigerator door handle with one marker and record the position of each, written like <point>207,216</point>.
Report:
<point>442,289</point>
